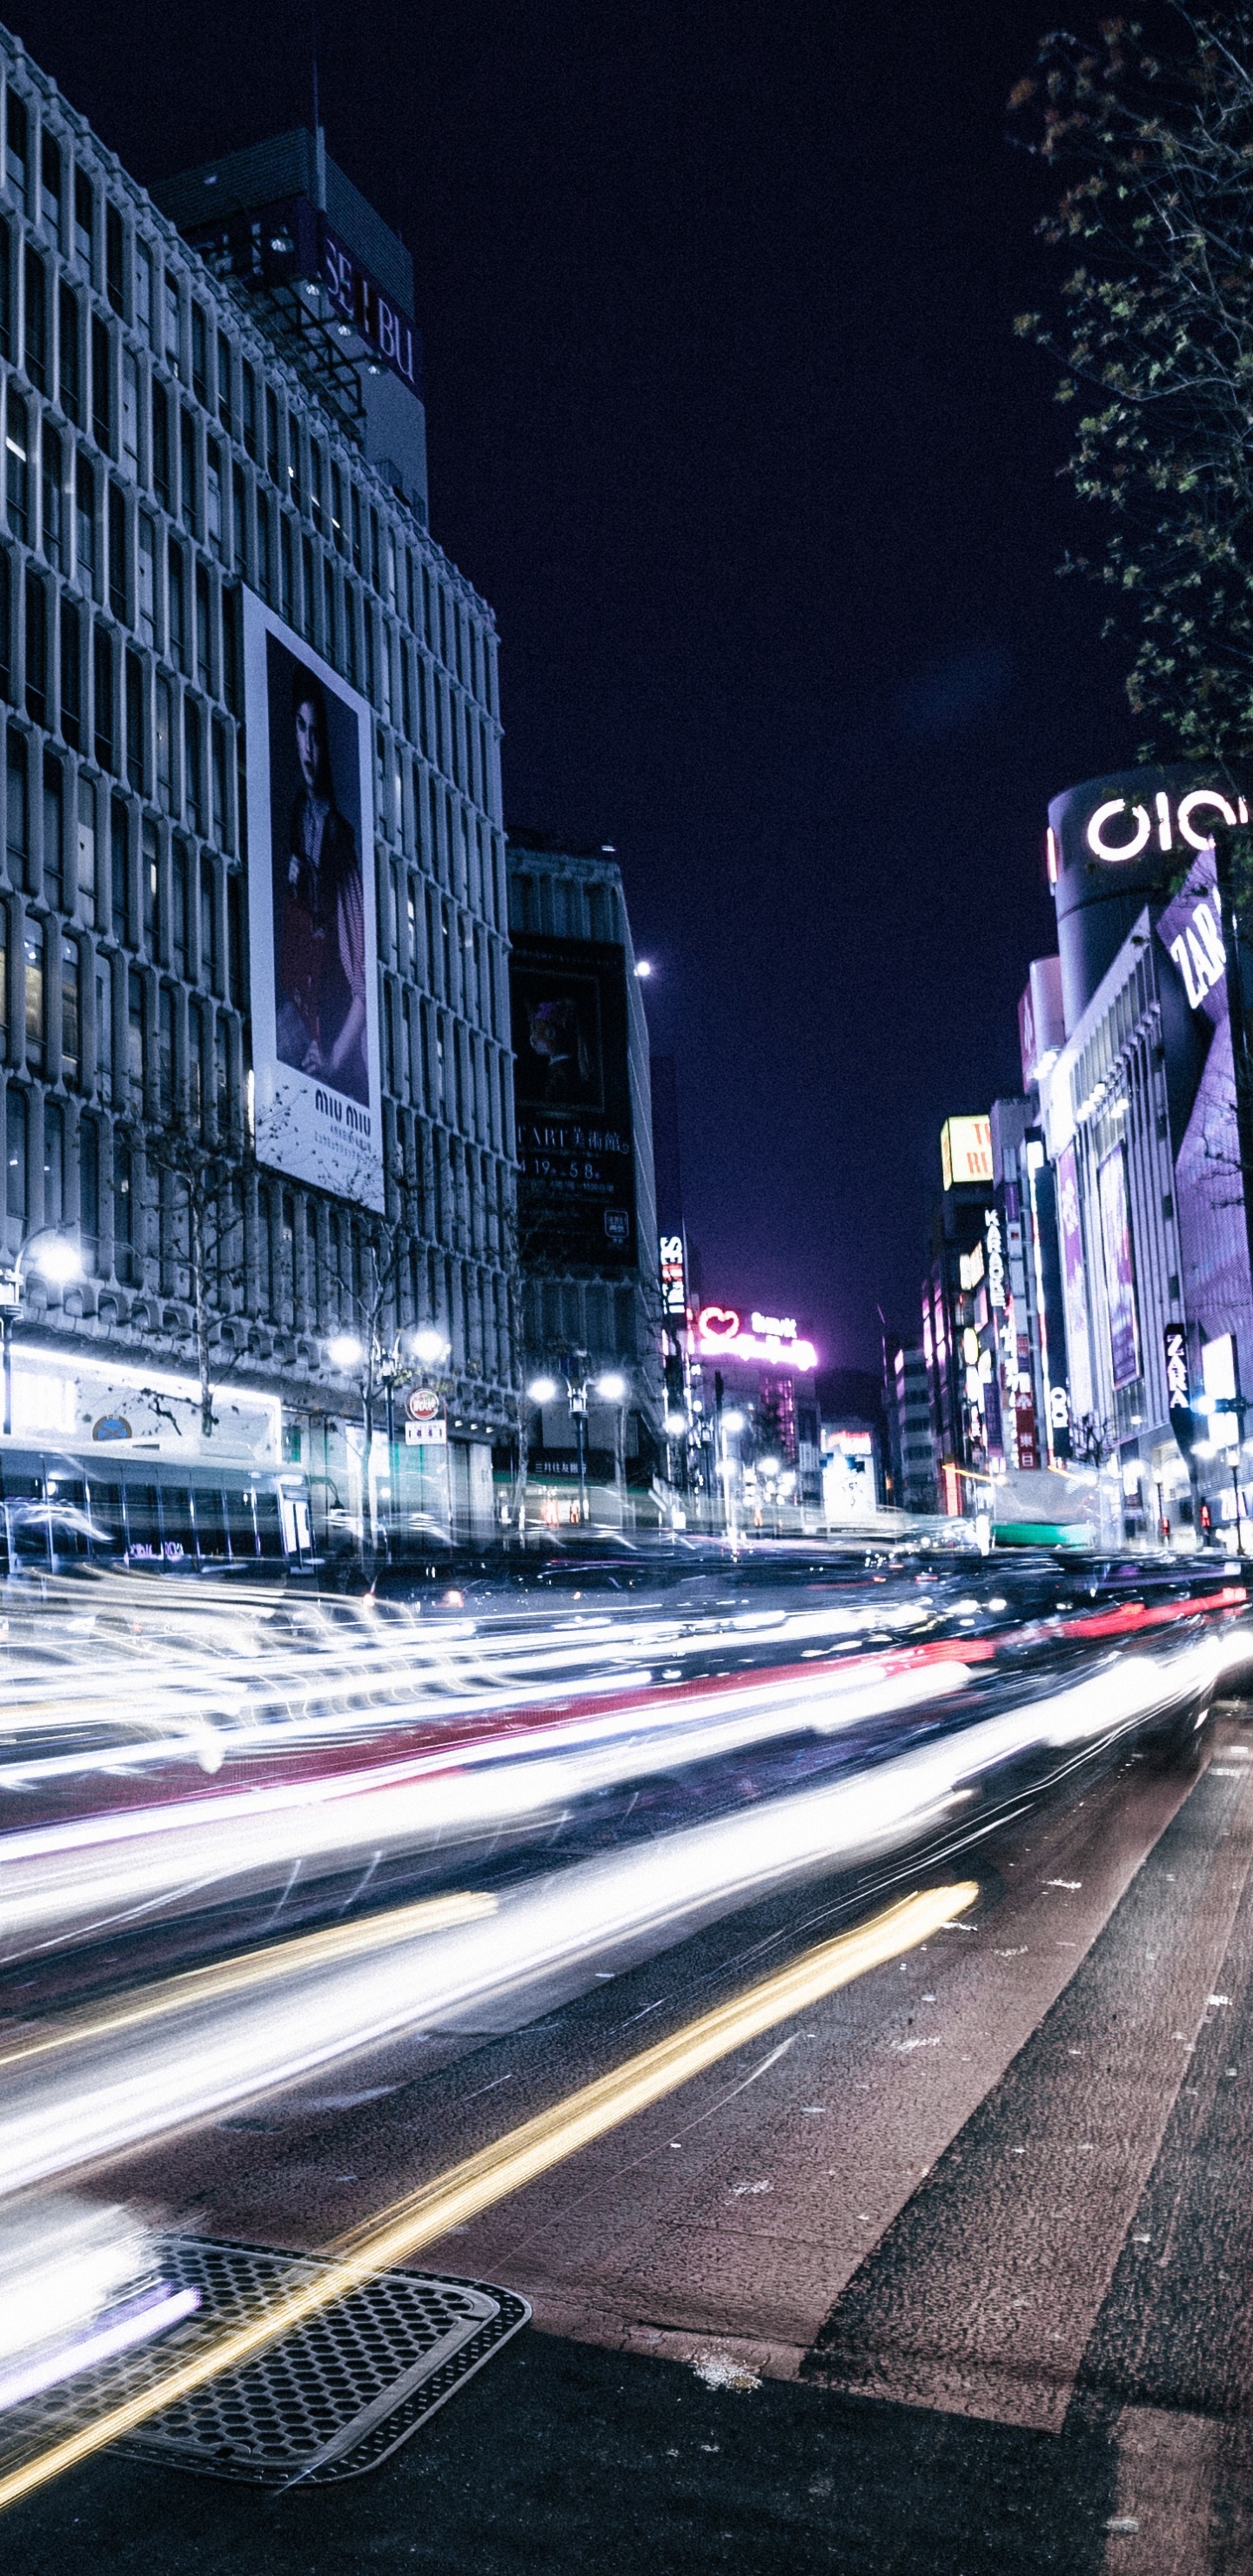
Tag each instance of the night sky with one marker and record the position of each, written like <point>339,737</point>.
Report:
<point>728,423</point>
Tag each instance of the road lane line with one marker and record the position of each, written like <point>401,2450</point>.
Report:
<point>452,2198</point>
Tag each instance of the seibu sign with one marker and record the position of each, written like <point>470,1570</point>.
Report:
<point>1120,830</point>
<point>721,1332</point>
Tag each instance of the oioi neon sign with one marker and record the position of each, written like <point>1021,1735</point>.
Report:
<point>1183,822</point>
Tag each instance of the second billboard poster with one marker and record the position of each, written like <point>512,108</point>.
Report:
<point>311,916</point>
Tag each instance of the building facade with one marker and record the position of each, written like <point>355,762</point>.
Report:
<point>588,1248</point>
<point>176,446</point>
<point>1140,1121</point>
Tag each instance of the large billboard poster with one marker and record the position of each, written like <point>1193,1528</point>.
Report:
<point>572,1095</point>
<point>311,916</point>
<point>1074,1292</point>
<point>1120,1291</point>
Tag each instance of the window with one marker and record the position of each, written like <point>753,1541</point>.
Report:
<point>221,1076</point>
<point>199,354</point>
<point>54,1163</point>
<point>36,322</point>
<point>123,1209</point>
<point>6,291</point>
<point>130,415</point>
<point>17,143</point>
<point>213,500</point>
<point>195,1062</point>
<point>84,217</point>
<point>170,322</point>
<point>15,1153</point>
<point>104,1029</point>
<point>163,732</point>
<point>34,981</point>
<point>134,721</point>
<point>85,525</point>
<point>161,445</point>
<point>193,763</point>
<point>119,868</point>
<point>149,876</point>
<point>135,1036</point>
<point>89,1179</point>
<point>208,926</point>
<point>178,890</point>
<point>187,461</point>
<point>17,823</point>
<point>218,783</point>
<point>101,384</point>
<point>70,357</point>
<point>145,302</point>
<point>71,1014</point>
<point>147,579</point>
<point>114,259</point>
<point>71,675</point>
<point>54,833</point>
<point>226,408</point>
<point>177,604</point>
<point>50,181</point>
<point>36,650</point>
<point>202,626</point>
<point>239,519</point>
<point>4,980</point>
<point>86,850</point>
<point>271,436</point>
<point>165,1052</point>
<point>102,658</point>
<point>119,585</point>
<point>248,388</point>
<point>235,940</point>
<point>17,469</point>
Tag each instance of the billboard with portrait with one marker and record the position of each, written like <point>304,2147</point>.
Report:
<point>1074,1287</point>
<point>311,916</point>
<point>1120,1288</point>
<point>572,1094</point>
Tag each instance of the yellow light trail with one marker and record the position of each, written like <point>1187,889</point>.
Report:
<point>258,1968</point>
<point>468,2188</point>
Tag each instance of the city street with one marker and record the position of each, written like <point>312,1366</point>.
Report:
<point>953,2262</point>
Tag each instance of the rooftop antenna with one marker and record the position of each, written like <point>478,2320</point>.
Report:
<point>319,131</point>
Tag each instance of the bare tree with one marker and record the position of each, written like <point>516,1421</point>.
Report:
<point>195,1185</point>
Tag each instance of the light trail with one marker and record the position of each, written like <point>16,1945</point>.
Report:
<point>257,1968</point>
<point>551,1936</point>
<point>479,2181</point>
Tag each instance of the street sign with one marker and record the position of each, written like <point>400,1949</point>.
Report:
<point>426,1435</point>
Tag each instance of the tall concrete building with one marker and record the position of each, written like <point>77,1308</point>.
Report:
<point>253,915</point>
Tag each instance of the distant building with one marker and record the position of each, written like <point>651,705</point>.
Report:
<point>587,1216</point>
<point>911,1440</point>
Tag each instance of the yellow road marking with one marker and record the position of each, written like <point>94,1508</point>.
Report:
<point>258,1968</point>
<point>452,2198</point>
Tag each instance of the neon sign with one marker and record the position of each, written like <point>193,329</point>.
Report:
<point>721,1333</point>
<point>1102,820</point>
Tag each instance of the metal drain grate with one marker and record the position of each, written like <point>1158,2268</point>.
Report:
<point>332,2398</point>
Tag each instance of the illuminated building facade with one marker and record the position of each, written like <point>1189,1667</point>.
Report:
<point>185,431</point>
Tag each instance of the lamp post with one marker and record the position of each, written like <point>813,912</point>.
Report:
<point>387,1365</point>
<point>61,1261</point>
<point>611,1387</point>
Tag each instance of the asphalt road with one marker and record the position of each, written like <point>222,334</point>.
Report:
<point>952,2274</point>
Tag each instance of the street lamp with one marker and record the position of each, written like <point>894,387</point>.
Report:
<point>59,1261</point>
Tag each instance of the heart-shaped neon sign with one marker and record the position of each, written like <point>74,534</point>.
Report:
<point>718,1323</point>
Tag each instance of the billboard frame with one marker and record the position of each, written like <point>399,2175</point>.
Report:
<point>304,1125</point>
